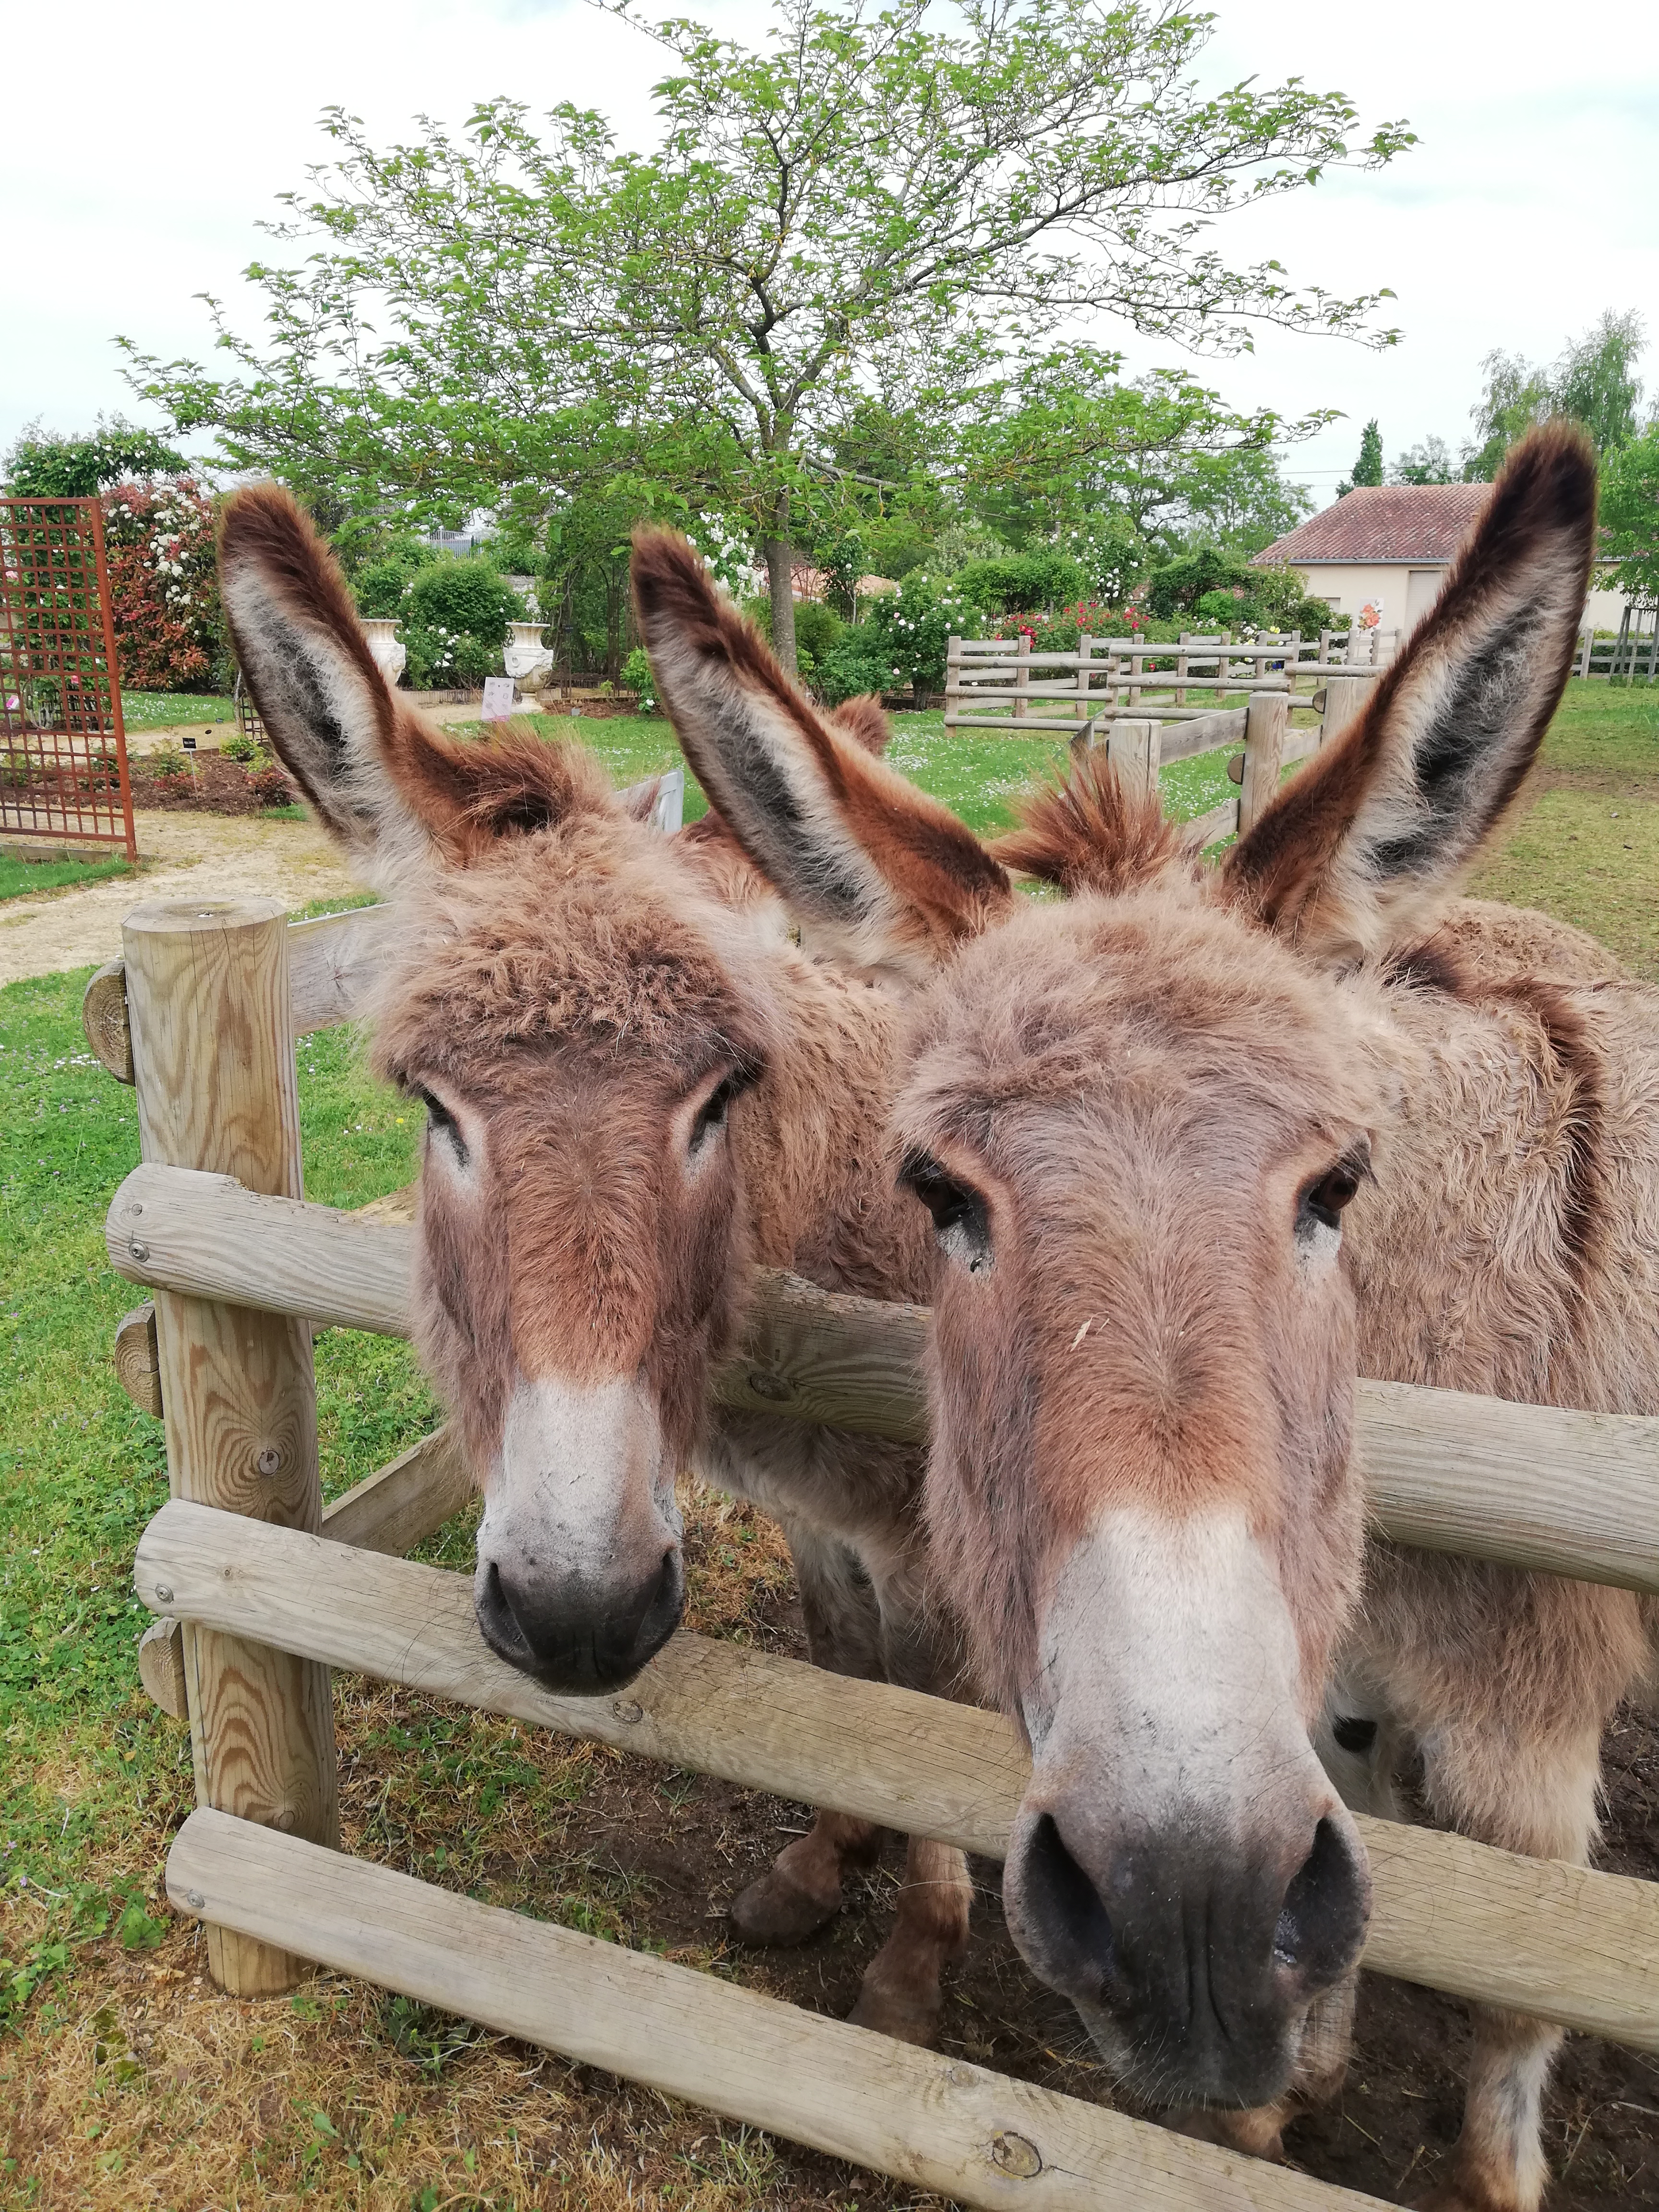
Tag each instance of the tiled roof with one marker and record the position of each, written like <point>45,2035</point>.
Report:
<point>1386,522</point>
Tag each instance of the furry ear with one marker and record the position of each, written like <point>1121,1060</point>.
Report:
<point>864,720</point>
<point>1362,849</point>
<point>874,869</point>
<point>1093,833</point>
<point>387,785</point>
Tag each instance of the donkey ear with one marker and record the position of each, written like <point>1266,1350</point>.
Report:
<point>1365,847</point>
<point>390,788</point>
<point>874,869</point>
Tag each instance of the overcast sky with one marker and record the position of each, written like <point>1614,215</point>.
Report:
<point>159,135</point>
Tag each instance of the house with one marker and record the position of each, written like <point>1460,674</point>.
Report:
<point>1389,546</point>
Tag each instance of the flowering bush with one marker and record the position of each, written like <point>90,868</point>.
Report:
<point>902,642</point>
<point>455,614</point>
<point>637,678</point>
<point>164,586</point>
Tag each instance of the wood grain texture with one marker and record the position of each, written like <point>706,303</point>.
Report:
<point>138,1360</point>
<point>161,1666</point>
<point>1571,1493</point>
<point>1537,1936</point>
<point>104,1019</point>
<point>1268,725</point>
<point>333,963</point>
<point>213,1061</point>
<point>1134,749</point>
<point>405,1502</point>
<point>935,2123</point>
<point>1345,697</point>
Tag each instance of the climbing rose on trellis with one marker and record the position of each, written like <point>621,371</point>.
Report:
<point>164,586</point>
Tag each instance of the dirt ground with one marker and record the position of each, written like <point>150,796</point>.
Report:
<point>181,856</point>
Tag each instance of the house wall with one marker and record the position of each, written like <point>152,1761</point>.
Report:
<point>1349,586</point>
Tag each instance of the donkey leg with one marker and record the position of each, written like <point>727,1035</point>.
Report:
<point>802,1888</point>
<point>1542,1804</point>
<point>902,1993</point>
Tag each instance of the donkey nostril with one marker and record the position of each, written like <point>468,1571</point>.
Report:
<point>1062,1912</point>
<point>1321,1922</point>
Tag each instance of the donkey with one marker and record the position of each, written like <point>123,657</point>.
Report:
<point>637,1090</point>
<point>1198,1148</point>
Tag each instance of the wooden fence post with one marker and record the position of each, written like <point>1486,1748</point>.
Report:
<point>1022,676</point>
<point>207,984</point>
<point>1134,754</point>
<point>1267,724</point>
<point>1344,697</point>
<point>952,681</point>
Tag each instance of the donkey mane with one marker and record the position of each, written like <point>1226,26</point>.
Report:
<point>1091,833</point>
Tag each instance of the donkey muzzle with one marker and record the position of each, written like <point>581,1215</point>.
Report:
<point>1192,1967</point>
<point>580,1579</point>
<point>573,1637</point>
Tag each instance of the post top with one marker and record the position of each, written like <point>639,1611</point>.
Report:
<point>183,917</point>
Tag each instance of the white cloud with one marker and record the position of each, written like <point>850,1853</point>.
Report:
<point>1527,208</point>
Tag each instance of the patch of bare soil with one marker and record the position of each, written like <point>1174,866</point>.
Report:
<point>210,784</point>
<point>183,855</point>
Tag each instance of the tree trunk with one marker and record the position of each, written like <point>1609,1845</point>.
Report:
<point>780,588</point>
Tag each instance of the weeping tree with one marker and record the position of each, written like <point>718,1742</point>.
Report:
<point>867,207</point>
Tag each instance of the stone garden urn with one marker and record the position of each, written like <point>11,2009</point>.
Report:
<point>388,649</point>
<point>525,658</point>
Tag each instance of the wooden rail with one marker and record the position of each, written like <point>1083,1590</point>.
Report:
<point>935,2123</point>
<point>332,962</point>
<point>1561,1942</point>
<point>1531,1485</point>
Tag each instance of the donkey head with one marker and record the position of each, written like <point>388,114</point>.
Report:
<point>580,1018</point>
<point>1136,1120</point>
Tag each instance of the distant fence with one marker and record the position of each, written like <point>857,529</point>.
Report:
<point>1634,652</point>
<point>62,743</point>
<point>993,683</point>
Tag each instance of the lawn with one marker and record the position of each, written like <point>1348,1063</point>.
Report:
<point>23,877</point>
<point>119,2085</point>
<point>167,710</point>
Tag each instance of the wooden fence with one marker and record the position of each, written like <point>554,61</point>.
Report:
<point>262,1592</point>
<point>993,683</point>
<point>1633,651</point>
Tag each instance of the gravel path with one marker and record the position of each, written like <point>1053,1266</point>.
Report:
<point>181,856</point>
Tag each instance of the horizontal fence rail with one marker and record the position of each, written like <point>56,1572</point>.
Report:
<point>1571,1493</point>
<point>936,2123</point>
<point>1561,1942</point>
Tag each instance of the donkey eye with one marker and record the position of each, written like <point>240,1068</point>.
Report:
<point>711,1115</point>
<point>962,1220</point>
<point>1323,1200</point>
<point>442,1123</point>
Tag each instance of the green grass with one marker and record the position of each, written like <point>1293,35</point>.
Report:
<point>165,710</point>
<point>22,878</point>
<point>1585,846</point>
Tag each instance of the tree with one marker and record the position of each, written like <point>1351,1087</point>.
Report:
<point>1431,463</point>
<point>1629,515</point>
<point>1065,454</point>
<point>865,208</point>
<point>1594,382</point>
<point>42,464</point>
<point>1368,469</point>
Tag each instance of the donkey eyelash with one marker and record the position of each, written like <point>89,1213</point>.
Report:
<point>711,1115</point>
<point>443,1123</point>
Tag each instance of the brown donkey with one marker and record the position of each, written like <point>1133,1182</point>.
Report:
<point>1200,1147</point>
<point>637,1089</point>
